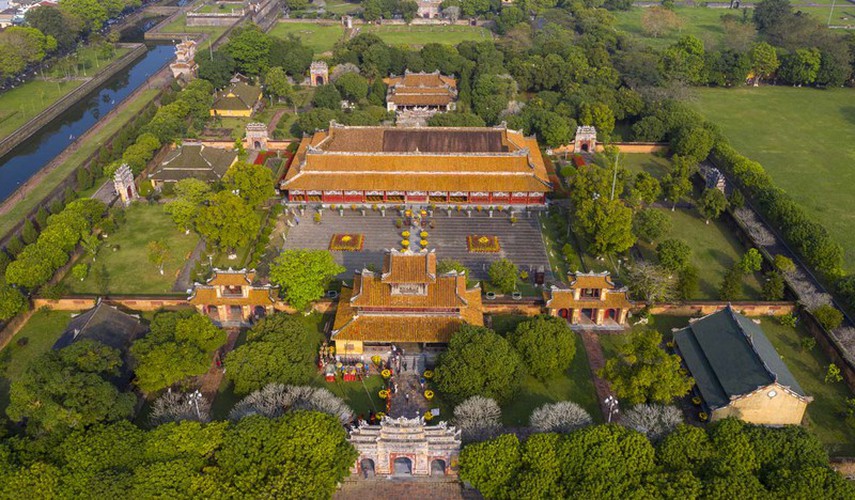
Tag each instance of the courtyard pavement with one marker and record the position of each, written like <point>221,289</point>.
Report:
<point>521,242</point>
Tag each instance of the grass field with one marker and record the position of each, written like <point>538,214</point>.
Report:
<point>179,25</point>
<point>319,37</point>
<point>809,368</point>
<point>805,138</point>
<point>422,35</point>
<point>87,148</point>
<point>128,268</point>
<point>41,331</point>
<point>19,105</point>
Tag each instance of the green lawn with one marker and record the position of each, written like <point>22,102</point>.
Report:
<point>714,251</point>
<point>89,147</point>
<point>40,332</point>
<point>422,35</point>
<point>179,25</point>
<point>574,385</point>
<point>319,37</point>
<point>342,8</point>
<point>654,164</point>
<point>19,105</point>
<point>804,139</point>
<point>128,268</point>
<point>809,368</point>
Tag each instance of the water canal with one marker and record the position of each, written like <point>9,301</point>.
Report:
<point>32,155</point>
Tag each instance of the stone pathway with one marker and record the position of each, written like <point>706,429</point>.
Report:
<point>210,382</point>
<point>415,405</point>
<point>183,282</point>
<point>275,121</point>
<point>404,489</point>
<point>596,360</point>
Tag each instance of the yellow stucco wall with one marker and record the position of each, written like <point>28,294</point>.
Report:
<point>347,347</point>
<point>232,112</point>
<point>759,408</point>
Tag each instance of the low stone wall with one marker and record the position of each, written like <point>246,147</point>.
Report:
<point>40,120</point>
<point>702,308</point>
<point>830,348</point>
<point>132,303</point>
<point>623,147</point>
<point>521,308</point>
<point>213,19</point>
<point>14,325</point>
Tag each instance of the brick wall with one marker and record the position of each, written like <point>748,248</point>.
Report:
<point>132,303</point>
<point>703,308</point>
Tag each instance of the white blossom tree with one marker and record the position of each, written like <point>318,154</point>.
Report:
<point>654,421</point>
<point>478,419</point>
<point>563,416</point>
<point>274,400</point>
<point>177,406</point>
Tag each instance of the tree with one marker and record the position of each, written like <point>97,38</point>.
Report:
<point>784,264</point>
<point>645,189</point>
<point>712,204</point>
<point>275,400</point>
<point>12,302</point>
<point>657,21</point>
<point>644,373</point>
<point>674,254</point>
<point>29,233</point>
<point>801,67</point>
<point>693,143</point>
<point>68,388</point>
<point>328,97</point>
<point>278,349</point>
<point>768,14</point>
<point>92,13</point>
<point>491,466</point>
<point>80,271</point>
<point>828,316</point>
<point>352,86</point>
<point>182,213</point>
<point>764,61</point>
<point>478,362</point>
<point>608,226</point>
<point>731,284</point>
<point>773,286</point>
<point>684,60</point>
<point>227,221</point>
<point>503,275</point>
<point>650,283</point>
<point>218,70</point>
<point>51,21</point>
<point>677,186</point>
<point>563,416</point>
<point>650,224</point>
<point>751,261</point>
<point>177,406</point>
<point>253,183</point>
<point>178,345</point>
<point>547,345</point>
<point>600,116</point>
<point>249,47</point>
<point>158,251</point>
<point>654,421</point>
<point>477,418</point>
<point>455,120</point>
<point>276,84</point>
<point>832,375</point>
<point>304,275</point>
<point>687,283</point>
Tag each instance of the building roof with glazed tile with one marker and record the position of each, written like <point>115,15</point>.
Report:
<point>409,267</point>
<point>563,298</point>
<point>194,160</point>
<point>418,159</point>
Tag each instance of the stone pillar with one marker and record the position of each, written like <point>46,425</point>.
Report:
<point>574,316</point>
<point>600,315</point>
<point>621,315</point>
<point>223,312</point>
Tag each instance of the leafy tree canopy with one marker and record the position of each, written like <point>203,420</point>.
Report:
<point>304,275</point>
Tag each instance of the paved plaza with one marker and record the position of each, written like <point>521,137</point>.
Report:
<point>520,242</point>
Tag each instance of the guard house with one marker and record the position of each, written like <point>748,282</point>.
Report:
<point>233,297</point>
<point>406,303</point>
<point>319,73</point>
<point>418,166</point>
<point>585,140</point>
<point>405,447</point>
<point>195,160</point>
<point>185,66</point>
<point>592,300</point>
<point>738,372</point>
<point>429,9</point>
<point>431,91</point>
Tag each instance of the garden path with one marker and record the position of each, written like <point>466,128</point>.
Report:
<point>210,381</point>
<point>415,405</point>
<point>183,282</point>
<point>597,360</point>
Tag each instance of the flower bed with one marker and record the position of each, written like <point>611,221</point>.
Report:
<point>347,242</point>
<point>477,243</point>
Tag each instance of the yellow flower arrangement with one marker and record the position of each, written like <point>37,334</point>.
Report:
<point>405,234</point>
<point>405,243</point>
<point>424,243</point>
<point>386,373</point>
<point>379,415</point>
<point>423,234</point>
<point>429,394</point>
<point>346,238</point>
<point>384,393</point>
<point>428,416</point>
<point>428,374</point>
<point>703,416</point>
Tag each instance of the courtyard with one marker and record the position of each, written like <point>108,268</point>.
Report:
<point>520,242</point>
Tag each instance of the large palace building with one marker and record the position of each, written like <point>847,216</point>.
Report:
<point>408,302</point>
<point>417,166</point>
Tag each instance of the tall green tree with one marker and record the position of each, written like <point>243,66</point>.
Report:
<point>643,372</point>
<point>547,345</point>
<point>478,362</point>
<point>304,275</point>
<point>712,204</point>
<point>12,302</point>
<point>503,275</point>
<point>227,221</point>
<point>253,183</point>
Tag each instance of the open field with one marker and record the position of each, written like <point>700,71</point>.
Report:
<point>19,105</point>
<point>128,268</point>
<point>40,332</point>
<point>319,37</point>
<point>422,35</point>
<point>179,25</point>
<point>804,139</point>
<point>87,147</point>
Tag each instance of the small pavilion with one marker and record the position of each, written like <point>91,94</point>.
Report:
<point>232,297</point>
<point>591,300</point>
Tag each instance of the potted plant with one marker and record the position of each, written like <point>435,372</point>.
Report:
<point>428,416</point>
<point>423,234</point>
<point>317,217</point>
<point>386,373</point>
<point>384,393</point>
<point>405,243</point>
<point>429,394</point>
<point>696,400</point>
<point>428,374</point>
<point>423,243</point>
<point>703,416</point>
<point>405,234</point>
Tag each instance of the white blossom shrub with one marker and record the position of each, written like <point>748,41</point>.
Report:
<point>755,228</point>
<point>342,69</point>
<point>654,421</point>
<point>478,419</point>
<point>563,416</point>
<point>274,400</point>
<point>177,406</point>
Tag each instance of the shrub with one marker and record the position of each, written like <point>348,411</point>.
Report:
<point>477,418</point>
<point>828,316</point>
<point>563,416</point>
<point>654,421</point>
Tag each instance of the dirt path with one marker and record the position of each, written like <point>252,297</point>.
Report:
<point>596,360</point>
<point>182,283</point>
<point>275,121</point>
<point>211,381</point>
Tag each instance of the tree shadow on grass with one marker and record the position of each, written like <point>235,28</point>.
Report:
<point>848,113</point>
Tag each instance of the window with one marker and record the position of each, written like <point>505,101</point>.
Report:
<point>590,293</point>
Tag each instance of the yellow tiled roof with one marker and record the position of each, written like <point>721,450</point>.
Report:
<point>563,299</point>
<point>231,278</point>
<point>409,267</point>
<point>257,296</point>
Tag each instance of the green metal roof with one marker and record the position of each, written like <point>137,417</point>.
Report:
<point>730,356</point>
<point>238,96</point>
